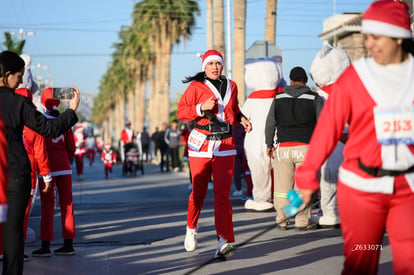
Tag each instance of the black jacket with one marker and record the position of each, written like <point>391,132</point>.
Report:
<point>18,111</point>
<point>293,113</point>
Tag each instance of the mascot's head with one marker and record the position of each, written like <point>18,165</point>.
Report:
<point>328,64</point>
<point>263,73</point>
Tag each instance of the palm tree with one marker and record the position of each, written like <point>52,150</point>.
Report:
<point>218,27</point>
<point>270,33</point>
<point>12,45</point>
<point>171,21</point>
<point>209,16</point>
<point>239,47</point>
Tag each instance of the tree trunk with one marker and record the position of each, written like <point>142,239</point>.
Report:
<point>239,47</point>
<point>140,103</point>
<point>111,126</point>
<point>120,116</point>
<point>153,98</point>
<point>218,27</point>
<point>132,109</point>
<point>270,34</point>
<point>164,95</point>
<point>209,16</point>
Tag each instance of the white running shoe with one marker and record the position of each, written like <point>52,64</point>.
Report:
<point>223,248</point>
<point>190,242</point>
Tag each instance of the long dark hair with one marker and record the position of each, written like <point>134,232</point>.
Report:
<point>197,77</point>
<point>408,45</point>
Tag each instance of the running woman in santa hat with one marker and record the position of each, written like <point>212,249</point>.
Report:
<point>211,101</point>
<point>374,96</point>
<point>60,150</point>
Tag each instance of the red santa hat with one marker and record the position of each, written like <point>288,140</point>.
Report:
<point>107,145</point>
<point>48,101</point>
<point>209,56</point>
<point>387,17</point>
<point>79,128</point>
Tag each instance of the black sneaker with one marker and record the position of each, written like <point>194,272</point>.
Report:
<point>42,252</point>
<point>26,258</point>
<point>65,251</point>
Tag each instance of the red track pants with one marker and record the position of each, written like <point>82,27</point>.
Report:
<point>222,170</point>
<point>364,219</point>
<point>64,188</point>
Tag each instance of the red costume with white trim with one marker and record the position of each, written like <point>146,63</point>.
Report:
<point>35,146</point>
<point>60,150</point>
<point>79,138</point>
<point>127,135</point>
<point>262,75</point>
<point>213,156</point>
<point>109,159</point>
<point>367,205</point>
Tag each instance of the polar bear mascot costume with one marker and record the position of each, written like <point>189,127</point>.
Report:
<point>29,83</point>
<point>328,64</point>
<point>262,75</point>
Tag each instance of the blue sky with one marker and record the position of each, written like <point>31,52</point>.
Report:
<point>74,38</point>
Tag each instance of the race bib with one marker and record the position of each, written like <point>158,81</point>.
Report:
<point>196,140</point>
<point>394,125</point>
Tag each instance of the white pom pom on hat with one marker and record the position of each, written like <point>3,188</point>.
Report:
<point>328,64</point>
<point>387,17</point>
<point>209,56</point>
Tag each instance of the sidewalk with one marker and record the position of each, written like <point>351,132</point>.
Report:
<point>136,225</point>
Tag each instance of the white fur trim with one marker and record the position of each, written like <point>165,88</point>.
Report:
<point>383,185</point>
<point>381,28</point>
<point>47,178</point>
<point>198,109</point>
<point>209,58</point>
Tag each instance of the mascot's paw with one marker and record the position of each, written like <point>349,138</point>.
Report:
<point>258,206</point>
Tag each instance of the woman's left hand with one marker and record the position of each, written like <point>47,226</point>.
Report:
<point>246,124</point>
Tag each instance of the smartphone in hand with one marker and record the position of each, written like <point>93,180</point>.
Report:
<point>63,93</point>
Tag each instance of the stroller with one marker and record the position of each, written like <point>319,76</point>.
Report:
<point>132,160</point>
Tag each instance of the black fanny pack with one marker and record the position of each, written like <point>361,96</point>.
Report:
<point>379,172</point>
<point>215,128</point>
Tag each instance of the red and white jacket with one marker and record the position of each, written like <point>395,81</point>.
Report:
<point>226,110</point>
<point>108,157</point>
<point>35,146</point>
<point>352,100</point>
<point>4,172</point>
<point>60,150</point>
<point>79,138</point>
<point>127,135</point>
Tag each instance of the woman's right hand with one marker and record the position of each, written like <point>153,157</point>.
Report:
<point>74,103</point>
<point>208,104</point>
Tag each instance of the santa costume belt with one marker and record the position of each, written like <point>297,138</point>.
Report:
<point>218,136</point>
<point>216,128</point>
<point>379,172</point>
